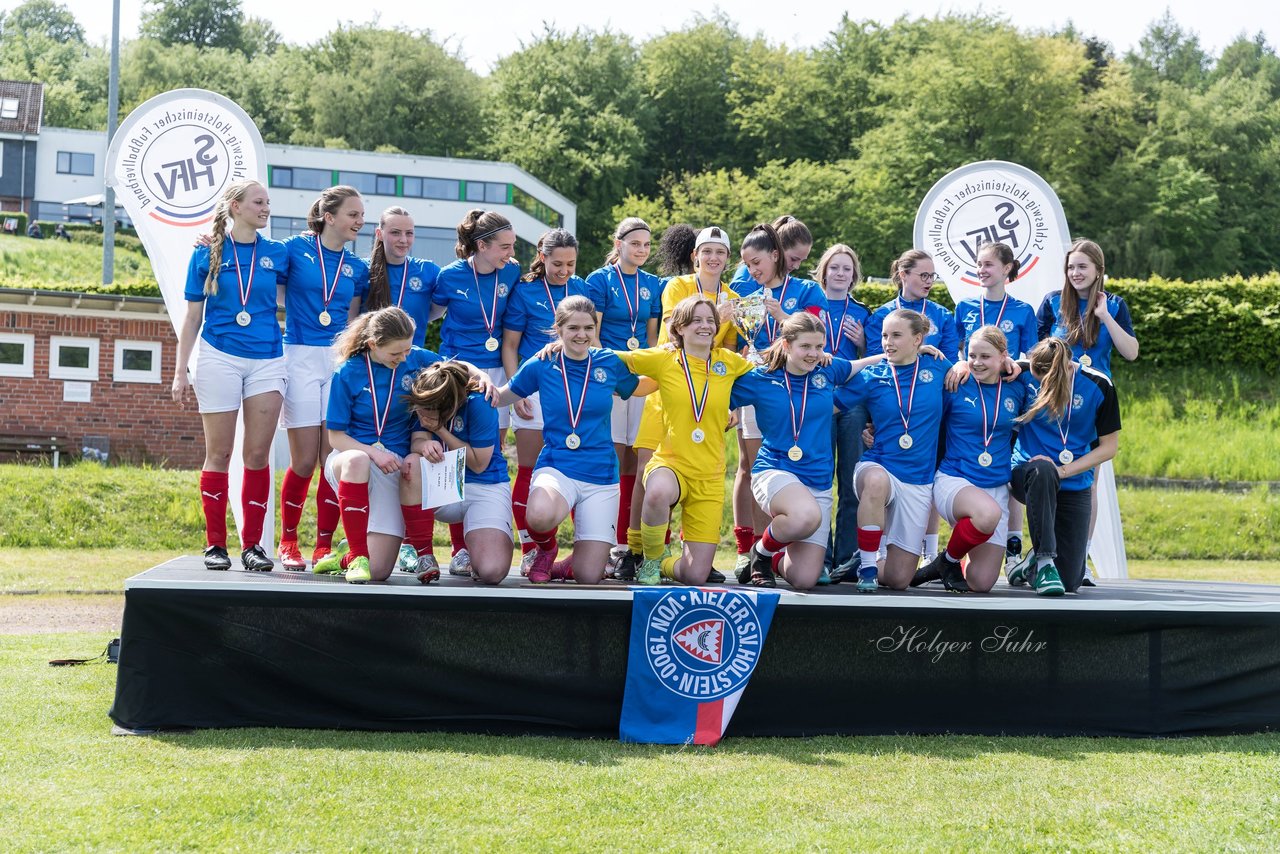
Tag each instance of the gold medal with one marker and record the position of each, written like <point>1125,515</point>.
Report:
<point>633,343</point>
<point>984,459</point>
<point>1085,360</point>
<point>1066,456</point>
<point>491,344</point>
<point>795,454</point>
<point>905,441</point>
<point>325,319</point>
<point>698,435</point>
<point>243,318</point>
<point>378,446</point>
<point>572,441</point>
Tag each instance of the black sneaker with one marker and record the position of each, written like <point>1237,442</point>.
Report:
<point>215,557</point>
<point>931,571</point>
<point>952,575</point>
<point>1013,548</point>
<point>255,560</point>
<point>715,576</point>
<point>628,566</point>
<point>759,573</point>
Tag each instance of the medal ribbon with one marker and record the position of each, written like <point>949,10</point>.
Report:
<point>404,277</point>
<point>1058,423</point>
<point>329,291</point>
<point>699,406</point>
<point>551,301</point>
<point>987,437</point>
<point>835,330</point>
<point>770,325</point>
<point>982,311</point>
<point>804,404</point>
<point>911,400</point>
<point>574,416</point>
<point>491,318</point>
<point>380,422</point>
<point>698,283</point>
<point>634,313</point>
<point>253,266</point>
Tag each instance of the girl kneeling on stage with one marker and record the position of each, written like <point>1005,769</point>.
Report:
<point>453,414</point>
<point>971,488</point>
<point>1072,426</point>
<point>576,469</point>
<point>369,433</point>
<point>792,393</point>
<point>894,478</point>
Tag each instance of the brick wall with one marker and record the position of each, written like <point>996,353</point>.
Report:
<point>140,419</point>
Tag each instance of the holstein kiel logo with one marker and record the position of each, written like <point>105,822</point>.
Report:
<point>703,644</point>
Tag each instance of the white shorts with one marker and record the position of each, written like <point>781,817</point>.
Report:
<point>625,420</point>
<point>594,505</point>
<point>385,516</point>
<point>747,427</point>
<point>906,515</point>
<point>768,483</point>
<point>498,376</point>
<point>223,381</point>
<point>945,489</point>
<point>306,396</point>
<point>533,422</point>
<point>487,505</point>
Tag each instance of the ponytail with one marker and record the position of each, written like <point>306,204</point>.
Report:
<point>628,225</point>
<point>1051,365</point>
<point>329,202</point>
<point>381,326</point>
<point>379,285</point>
<point>556,238</point>
<point>221,213</point>
<point>1004,255</point>
<point>1082,330</point>
<point>478,225</point>
<point>764,238</point>
<point>775,355</point>
<point>444,387</point>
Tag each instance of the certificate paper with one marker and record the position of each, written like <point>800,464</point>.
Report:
<point>442,482</point>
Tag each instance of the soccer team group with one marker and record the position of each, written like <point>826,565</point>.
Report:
<point>620,388</point>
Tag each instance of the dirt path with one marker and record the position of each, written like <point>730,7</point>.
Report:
<point>35,615</point>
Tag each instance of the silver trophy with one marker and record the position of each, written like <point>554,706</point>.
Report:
<point>748,315</point>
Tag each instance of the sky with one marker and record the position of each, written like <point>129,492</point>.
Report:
<point>484,32</point>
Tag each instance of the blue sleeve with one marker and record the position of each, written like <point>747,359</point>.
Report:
<point>598,289</point>
<point>516,317</point>
<point>958,325</point>
<point>852,393</point>
<point>626,384</point>
<point>438,295</point>
<point>361,280</point>
<point>1029,333</point>
<point>741,277</point>
<point>1044,320</point>
<point>483,419</point>
<point>841,370</point>
<point>528,377</point>
<point>1122,314</point>
<point>338,413</point>
<point>745,390</point>
<point>197,271</point>
<point>815,297</point>
<point>950,341</point>
<point>871,329</point>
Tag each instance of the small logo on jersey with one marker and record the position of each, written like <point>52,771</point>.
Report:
<point>348,270</point>
<point>1006,326</point>
<point>415,284</point>
<point>1009,405</point>
<point>542,305</point>
<point>266,263</point>
<point>406,381</point>
<point>971,320</point>
<point>719,369</point>
<point>972,401</point>
<point>309,257</point>
<point>462,292</point>
<point>645,294</point>
<point>819,381</point>
<point>1059,331</point>
<point>789,305</point>
<point>503,290</point>
<point>459,424</point>
<point>703,644</point>
<point>600,375</point>
<point>1077,401</point>
<point>926,376</point>
<point>933,329</point>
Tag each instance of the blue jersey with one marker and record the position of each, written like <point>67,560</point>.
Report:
<point>972,412</point>
<point>531,311</point>
<point>476,424</point>
<point>942,326</point>
<point>1016,319</point>
<point>475,306</point>
<point>594,460</point>
<point>742,283</point>
<point>351,404</point>
<point>778,397</point>
<point>258,265</point>
<point>793,295</point>
<point>1099,355</point>
<point>412,285</point>
<point>312,272</point>
<point>1095,411</point>
<point>626,305</point>
<point>834,317</point>
<point>874,388</point>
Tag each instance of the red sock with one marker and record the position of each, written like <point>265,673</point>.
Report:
<point>626,483</point>
<point>869,539</point>
<point>354,501</point>
<point>519,501</point>
<point>293,496</point>
<point>668,540</point>
<point>456,539</point>
<point>745,536</point>
<point>327,511</point>
<point>253,505</point>
<point>771,545</point>
<point>417,526</point>
<point>213,497</point>
<point>964,537</point>
<point>545,540</point>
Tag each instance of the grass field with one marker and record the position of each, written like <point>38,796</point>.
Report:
<point>58,265</point>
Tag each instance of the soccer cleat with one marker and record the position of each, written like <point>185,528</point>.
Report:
<point>216,557</point>
<point>428,568</point>
<point>254,559</point>
<point>760,571</point>
<point>627,567</point>
<point>358,571</point>
<point>562,570</point>
<point>616,554</point>
<point>715,576</point>
<point>527,559</point>
<point>742,568</point>
<point>824,577</point>
<point>290,557</point>
<point>460,564</point>
<point>1019,574</point>
<point>540,566</point>
<point>1047,582</point>
<point>931,571</point>
<point>407,558</point>
<point>650,572</point>
<point>331,562</point>
<point>867,580</point>
<point>953,576</point>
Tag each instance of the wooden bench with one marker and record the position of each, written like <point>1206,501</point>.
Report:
<point>20,445</point>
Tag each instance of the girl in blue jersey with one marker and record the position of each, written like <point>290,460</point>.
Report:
<point>231,305</point>
<point>369,426</point>
<point>627,317</point>
<point>839,272</point>
<point>397,278</point>
<point>577,470</point>
<point>971,487</point>
<point>474,291</point>
<point>1072,426</point>
<point>1084,315</point>
<point>322,293</point>
<point>797,243</point>
<point>793,392</point>
<point>763,254</point>
<point>894,478</point>
<point>453,414</point>
<point>997,267</point>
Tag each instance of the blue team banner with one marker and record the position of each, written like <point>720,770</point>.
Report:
<point>692,652</point>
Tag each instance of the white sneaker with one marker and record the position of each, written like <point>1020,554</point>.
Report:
<point>526,561</point>
<point>407,559</point>
<point>427,560</point>
<point>460,564</point>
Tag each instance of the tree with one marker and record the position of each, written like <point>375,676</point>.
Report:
<point>42,41</point>
<point>42,17</point>
<point>1166,52</point>
<point>202,23</point>
<point>777,104</point>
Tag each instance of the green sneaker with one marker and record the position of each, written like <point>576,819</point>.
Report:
<point>358,571</point>
<point>1020,573</point>
<point>1047,582</point>
<point>650,572</point>
<point>331,564</point>
<point>407,559</point>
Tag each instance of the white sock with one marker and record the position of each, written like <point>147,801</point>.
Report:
<point>868,559</point>
<point>1042,562</point>
<point>930,545</point>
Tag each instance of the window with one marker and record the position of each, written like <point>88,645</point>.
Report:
<point>490,193</point>
<point>75,163</point>
<point>435,244</point>
<point>137,362</point>
<point>301,179</point>
<point>8,108</point>
<point>283,226</point>
<point>16,352</point>
<point>386,185</point>
<point>432,188</point>
<point>73,358</point>
<point>540,211</point>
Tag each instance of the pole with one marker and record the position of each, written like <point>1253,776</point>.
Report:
<point>109,196</point>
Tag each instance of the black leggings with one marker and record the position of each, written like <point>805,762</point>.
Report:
<point>1058,518</point>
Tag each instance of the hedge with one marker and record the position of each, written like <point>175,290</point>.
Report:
<point>20,217</point>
